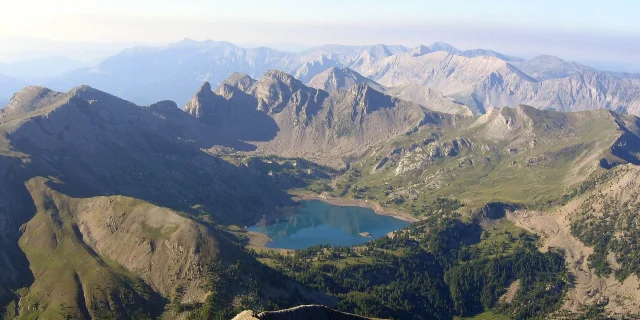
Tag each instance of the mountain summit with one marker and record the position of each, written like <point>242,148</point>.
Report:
<point>334,79</point>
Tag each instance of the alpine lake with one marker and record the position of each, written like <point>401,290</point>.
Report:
<point>314,222</point>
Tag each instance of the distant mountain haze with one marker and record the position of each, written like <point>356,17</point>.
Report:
<point>8,86</point>
<point>479,79</point>
<point>40,68</point>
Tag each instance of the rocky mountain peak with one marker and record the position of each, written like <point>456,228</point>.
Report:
<point>201,101</point>
<point>30,99</point>
<point>205,88</point>
<point>166,105</point>
<point>443,46</point>
<point>281,76</point>
<point>379,51</point>
<point>546,58</point>
<point>241,80</point>
<point>274,90</point>
<point>545,67</point>
<point>420,51</point>
<point>334,79</point>
<point>91,94</point>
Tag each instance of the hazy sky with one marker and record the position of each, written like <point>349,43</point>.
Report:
<point>576,29</point>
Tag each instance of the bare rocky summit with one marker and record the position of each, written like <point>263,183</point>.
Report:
<point>334,79</point>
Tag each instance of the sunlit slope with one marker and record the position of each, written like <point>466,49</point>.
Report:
<point>520,155</point>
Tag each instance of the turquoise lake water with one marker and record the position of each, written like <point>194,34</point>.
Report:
<point>316,222</point>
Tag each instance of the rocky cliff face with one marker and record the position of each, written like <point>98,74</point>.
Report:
<point>280,115</point>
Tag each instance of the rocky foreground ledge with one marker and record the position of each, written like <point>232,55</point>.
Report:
<point>307,312</point>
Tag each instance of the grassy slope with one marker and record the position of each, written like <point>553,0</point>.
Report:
<point>70,278</point>
<point>532,163</point>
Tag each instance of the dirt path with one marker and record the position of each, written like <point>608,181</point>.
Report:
<point>554,228</point>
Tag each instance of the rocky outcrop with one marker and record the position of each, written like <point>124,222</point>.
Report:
<point>28,100</point>
<point>309,312</point>
<point>202,103</point>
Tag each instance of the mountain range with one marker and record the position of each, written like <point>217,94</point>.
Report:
<point>334,79</point>
<point>110,209</point>
<point>479,79</point>
<point>125,210</point>
<point>280,115</point>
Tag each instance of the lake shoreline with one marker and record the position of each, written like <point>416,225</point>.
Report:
<point>260,241</point>
<point>376,207</point>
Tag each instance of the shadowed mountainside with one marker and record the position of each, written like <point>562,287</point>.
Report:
<point>87,180</point>
<point>310,122</point>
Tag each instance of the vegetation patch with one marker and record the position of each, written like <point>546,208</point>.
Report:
<point>436,269</point>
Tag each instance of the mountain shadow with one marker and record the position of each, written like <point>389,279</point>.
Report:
<point>238,120</point>
<point>96,145</point>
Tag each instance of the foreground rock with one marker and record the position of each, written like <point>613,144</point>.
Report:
<point>308,312</point>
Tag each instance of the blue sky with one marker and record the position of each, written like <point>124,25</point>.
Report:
<point>581,30</point>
